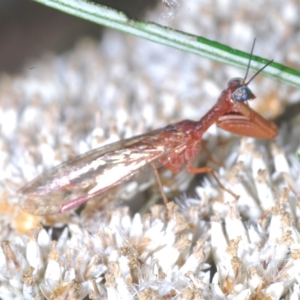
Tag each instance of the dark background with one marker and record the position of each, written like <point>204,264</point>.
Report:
<point>27,29</point>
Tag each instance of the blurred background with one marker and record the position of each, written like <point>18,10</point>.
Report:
<point>27,29</point>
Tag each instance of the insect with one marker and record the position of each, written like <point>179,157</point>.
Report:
<point>78,180</point>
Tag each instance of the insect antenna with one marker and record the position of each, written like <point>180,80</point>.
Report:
<point>268,63</point>
<point>248,67</point>
<point>249,62</point>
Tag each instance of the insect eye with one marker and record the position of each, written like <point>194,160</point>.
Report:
<point>241,94</point>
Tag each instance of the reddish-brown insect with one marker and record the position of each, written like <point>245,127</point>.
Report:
<point>78,180</point>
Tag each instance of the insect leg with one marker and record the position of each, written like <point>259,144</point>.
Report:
<point>209,170</point>
<point>166,201</point>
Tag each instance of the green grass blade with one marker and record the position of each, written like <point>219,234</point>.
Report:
<point>174,38</point>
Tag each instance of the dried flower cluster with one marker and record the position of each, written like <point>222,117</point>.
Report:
<point>173,252</point>
<point>209,246</point>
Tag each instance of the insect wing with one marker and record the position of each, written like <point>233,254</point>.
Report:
<point>76,181</point>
